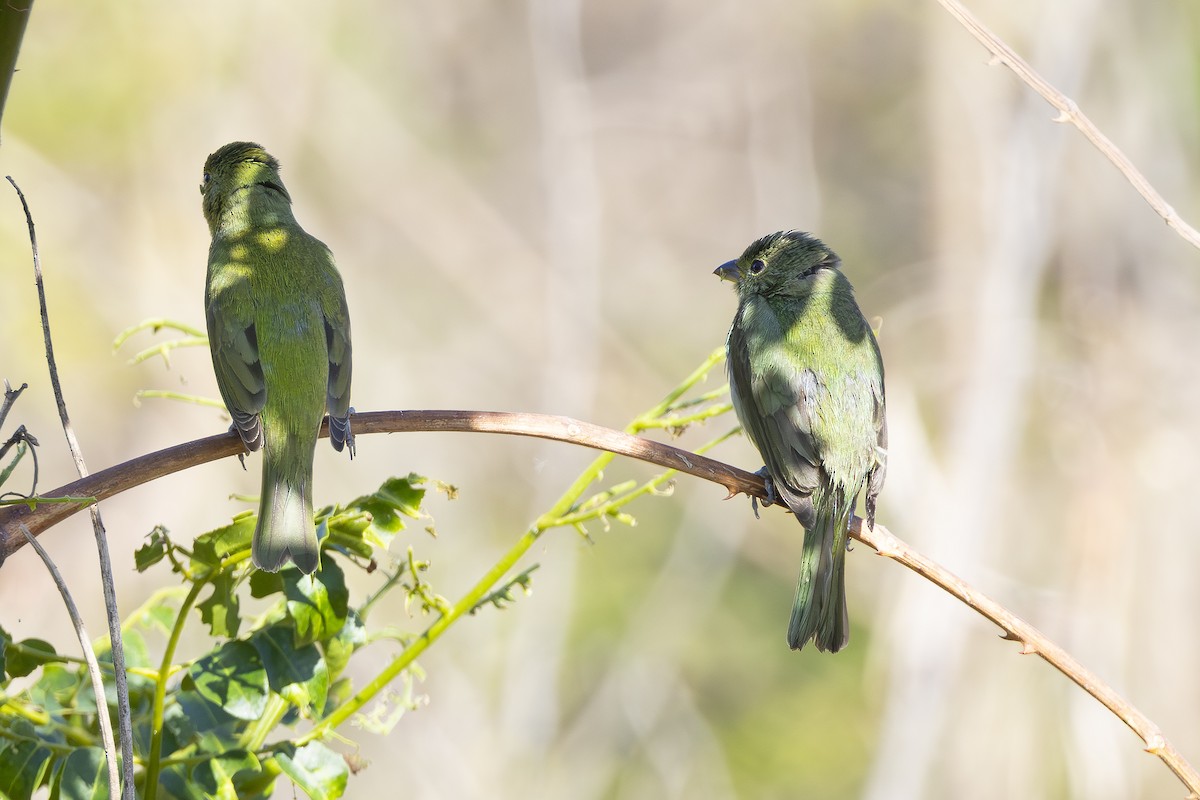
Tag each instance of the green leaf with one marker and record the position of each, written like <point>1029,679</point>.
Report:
<point>84,775</point>
<point>153,551</point>
<point>298,674</point>
<point>220,611</point>
<point>175,783</point>
<point>347,531</point>
<point>5,641</point>
<point>191,715</point>
<point>159,614</point>
<point>395,499</point>
<point>213,547</point>
<point>32,654</point>
<point>339,692</point>
<point>317,603</point>
<point>56,687</point>
<point>316,770</point>
<point>338,649</point>
<point>22,763</point>
<point>216,775</point>
<point>265,584</point>
<point>232,677</point>
<point>18,454</point>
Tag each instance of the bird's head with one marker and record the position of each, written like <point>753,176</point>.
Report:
<point>237,166</point>
<point>785,263</point>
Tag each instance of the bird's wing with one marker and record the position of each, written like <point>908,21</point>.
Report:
<point>234,345</point>
<point>879,469</point>
<point>336,318</point>
<point>776,405</point>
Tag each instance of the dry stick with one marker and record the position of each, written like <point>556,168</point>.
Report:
<point>564,429</point>
<point>10,397</point>
<point>1068,111</point>
<point>1033,641</point>
<point>89,655</point>
<point>110,596</point>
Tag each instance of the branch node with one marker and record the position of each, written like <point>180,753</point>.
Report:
<point>1156,744</point>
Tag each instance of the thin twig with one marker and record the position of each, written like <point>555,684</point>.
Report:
<point>110,595</point>
<point>736,481</point>
<point>10,397</point>
<point>1032,641</point>
<point>1068,111</point>
<point>89,655</point>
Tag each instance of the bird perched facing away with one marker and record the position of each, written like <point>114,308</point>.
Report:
<point>279,332</point>
<point>806,380</point>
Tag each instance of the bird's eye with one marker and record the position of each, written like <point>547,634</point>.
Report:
<point>757,266</point>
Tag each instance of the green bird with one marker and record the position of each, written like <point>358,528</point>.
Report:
<point>279,332</point>
<point>806,380</point>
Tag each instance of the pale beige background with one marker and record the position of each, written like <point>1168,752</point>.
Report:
<point>526,201</point>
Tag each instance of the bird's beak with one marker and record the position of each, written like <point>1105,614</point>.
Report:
<point>728,271</point>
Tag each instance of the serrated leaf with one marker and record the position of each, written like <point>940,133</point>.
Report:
<point>388,505</point>
<point>220,610</point>
<point>318,771</point>
<point>33,654</point>
<point>233,678</point>
<point>317,603</point>
<point>84,775</point>
<point>338,649</point>
<point>298,674</point>
<point>213,547</point>
<point>149,554</point>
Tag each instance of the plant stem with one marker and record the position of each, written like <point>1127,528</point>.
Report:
<point>160,691</point>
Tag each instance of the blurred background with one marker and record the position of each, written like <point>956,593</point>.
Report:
<point>526,201</point>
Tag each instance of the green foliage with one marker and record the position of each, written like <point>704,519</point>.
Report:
<point>201,726</point>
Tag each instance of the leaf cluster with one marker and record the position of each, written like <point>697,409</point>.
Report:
<point>202,725</point>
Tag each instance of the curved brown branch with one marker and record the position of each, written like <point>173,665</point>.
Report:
<point>1068,111</point>
<point>123,477</point>
<point>146,468</point>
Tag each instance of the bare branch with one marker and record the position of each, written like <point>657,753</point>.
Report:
<point>89,655</point>
<point>565,429</point>
<point>110,594</point>
<point>10,397</point>
<point>123,477</point>
<point>1068,111</point>
<point>1033,641</point>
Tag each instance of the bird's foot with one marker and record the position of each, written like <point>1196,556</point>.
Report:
<point>341,433</point>
<point>350,433</point>
<point>233,428</point>
<point>771,498</point>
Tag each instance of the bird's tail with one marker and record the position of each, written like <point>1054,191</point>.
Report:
<point>819,610</point>
<point>285,515</point>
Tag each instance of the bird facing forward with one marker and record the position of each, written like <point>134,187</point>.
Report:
<point>806,380</point>
<point>279,333</point>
